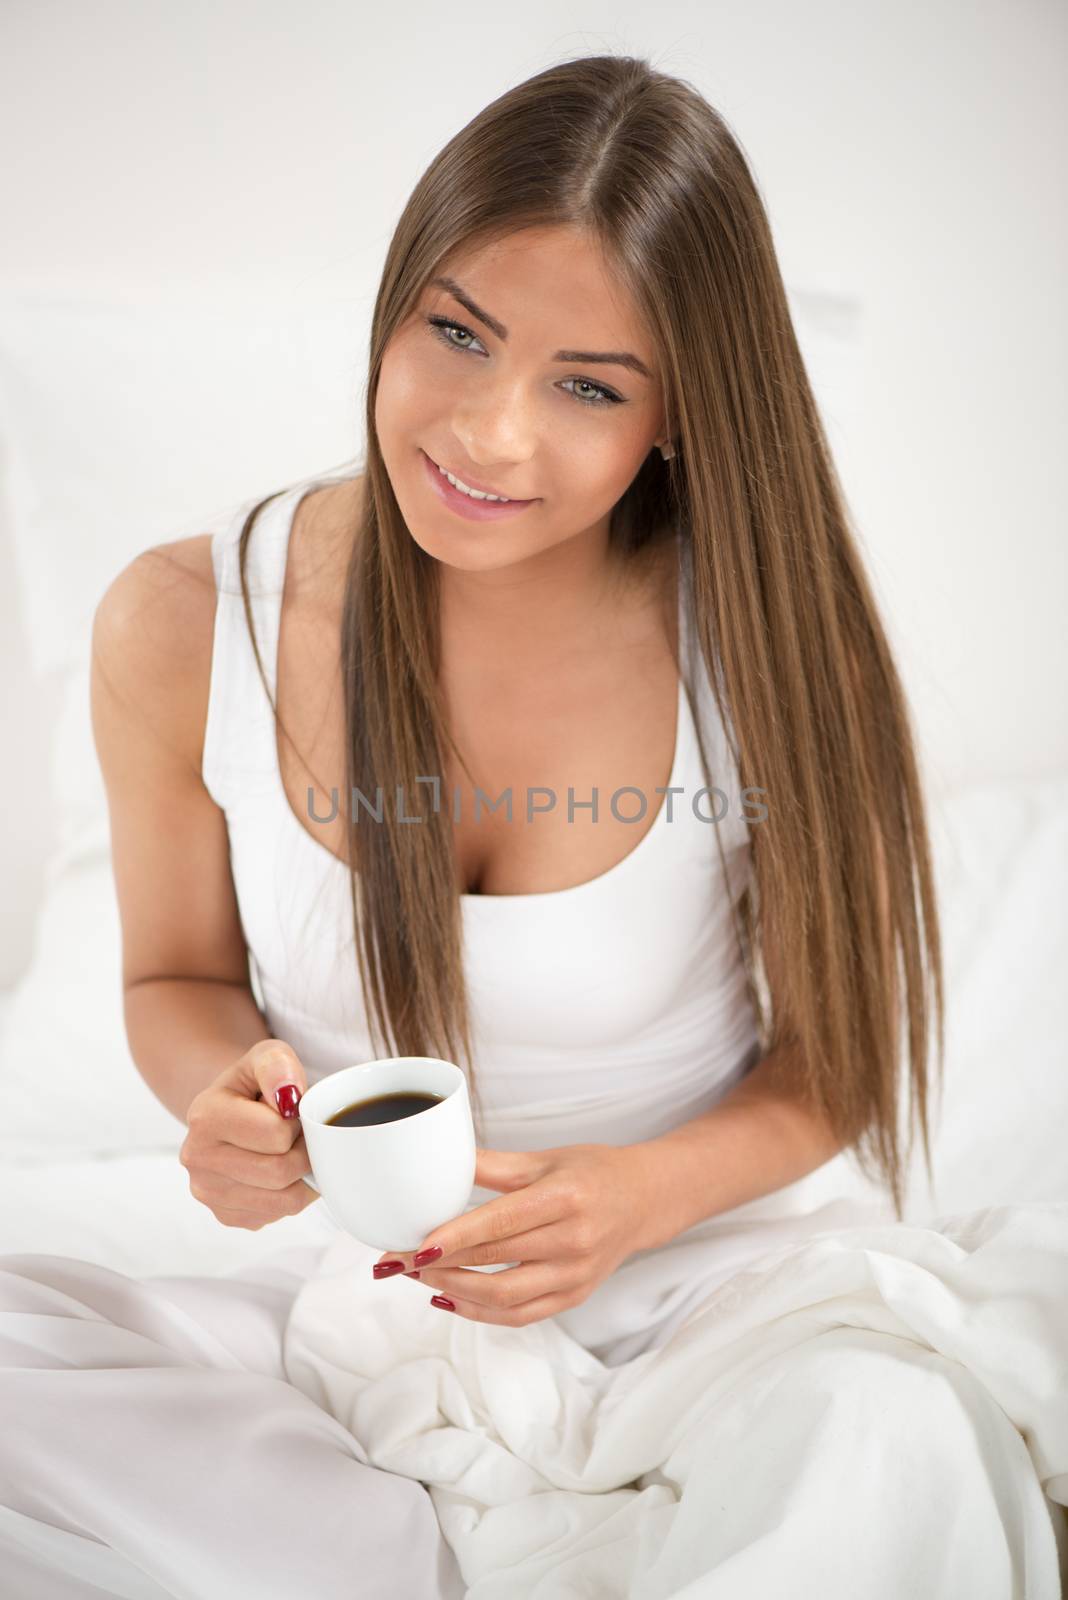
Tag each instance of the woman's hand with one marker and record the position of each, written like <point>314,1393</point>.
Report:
<point>568,1218</point>
<point>245,1151</point>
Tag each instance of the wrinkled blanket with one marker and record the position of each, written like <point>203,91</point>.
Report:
<point>870,1411</point>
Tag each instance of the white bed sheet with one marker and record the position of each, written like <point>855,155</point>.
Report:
<point>135,1214</point>
<point>866,1410</point>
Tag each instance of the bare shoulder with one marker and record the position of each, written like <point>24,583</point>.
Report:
<point>152,642</point>
<point>154,626</point>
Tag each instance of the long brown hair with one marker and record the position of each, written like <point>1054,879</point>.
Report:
<point>783,611</point>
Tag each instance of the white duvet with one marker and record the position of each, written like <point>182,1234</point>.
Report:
<point>874,1413</point>
<point>868,1410</point>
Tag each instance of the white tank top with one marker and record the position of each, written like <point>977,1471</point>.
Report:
<point>608,1012</point>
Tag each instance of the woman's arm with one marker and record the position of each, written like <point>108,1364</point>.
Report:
<point>184,1032</point>
<point>189,1009</point>
<point>760,1137</point>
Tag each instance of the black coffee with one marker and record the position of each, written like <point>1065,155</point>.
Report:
<point>383,1108</point>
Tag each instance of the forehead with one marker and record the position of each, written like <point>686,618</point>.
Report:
<point>556,272</point>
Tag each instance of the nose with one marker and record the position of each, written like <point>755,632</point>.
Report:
<point>497,437</point>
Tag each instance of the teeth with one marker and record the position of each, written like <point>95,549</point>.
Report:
<point>476,494</point>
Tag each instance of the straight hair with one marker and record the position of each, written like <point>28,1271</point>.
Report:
<point>782,609</point>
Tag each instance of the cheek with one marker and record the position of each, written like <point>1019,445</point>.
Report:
<point>602,462</point>
<point>400,394</point>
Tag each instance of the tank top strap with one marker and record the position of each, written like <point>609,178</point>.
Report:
<point>240,749</point>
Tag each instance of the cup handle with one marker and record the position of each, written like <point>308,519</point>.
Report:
<point>310,1181</point>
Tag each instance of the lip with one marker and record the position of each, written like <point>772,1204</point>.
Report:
<point>463,505</point>
<point>473,483</point>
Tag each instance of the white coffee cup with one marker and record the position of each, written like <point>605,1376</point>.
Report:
<point>390,1183</point>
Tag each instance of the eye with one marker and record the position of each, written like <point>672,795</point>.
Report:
<point>442,327</point>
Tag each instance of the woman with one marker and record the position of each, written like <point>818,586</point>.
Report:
<point>663,1021</point>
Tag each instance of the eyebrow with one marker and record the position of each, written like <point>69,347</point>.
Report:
<point>610,358</point>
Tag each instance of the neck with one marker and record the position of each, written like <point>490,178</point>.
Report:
<point>559,602</point>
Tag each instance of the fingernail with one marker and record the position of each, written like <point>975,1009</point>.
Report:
<point>287,1098</point>
<point>423,1258</point>
<point>386,1269</point>
<point>411,1274</point>
<point>443,1301</point>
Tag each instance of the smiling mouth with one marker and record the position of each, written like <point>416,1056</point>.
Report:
<point>480,496</point>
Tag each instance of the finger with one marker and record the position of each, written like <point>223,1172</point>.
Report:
<point>528,1210</point>
<point>254,1167</point>
<point>251,1220</point>
<point>502,1291</point>
<point>232,1118</point>
<point>269,1066</point>
<point>506,1317</point>
<point>267,1204</point>
<point>537,1244</point>
<point>249,1090</point>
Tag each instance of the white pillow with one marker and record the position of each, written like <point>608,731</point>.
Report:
<point>69,1084</point>
<point>128,426</point>
<point>1001,856</point>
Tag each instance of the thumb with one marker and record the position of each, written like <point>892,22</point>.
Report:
<point>273,1071</point>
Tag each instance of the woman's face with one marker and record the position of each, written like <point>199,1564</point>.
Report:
<point>511,406</point>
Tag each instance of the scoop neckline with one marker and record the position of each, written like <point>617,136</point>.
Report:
<point>466,897</point>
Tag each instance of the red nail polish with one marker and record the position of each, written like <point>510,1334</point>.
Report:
<point>423,1258</point>
<point>443,1301</point>
<point>386,1269</point>
<point>411,1274</point>
<point>287,1099</point>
